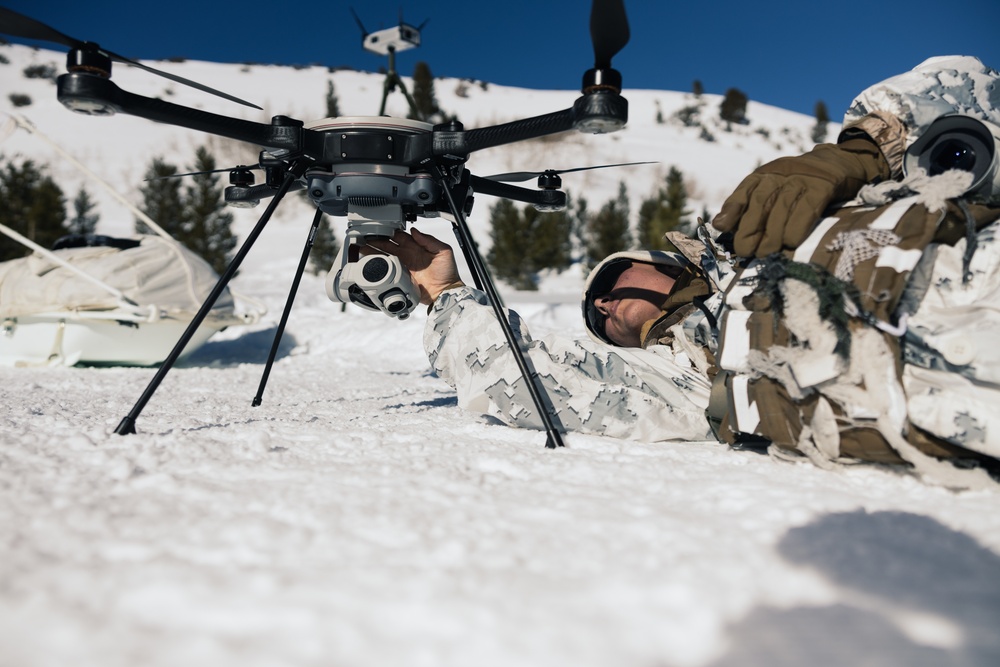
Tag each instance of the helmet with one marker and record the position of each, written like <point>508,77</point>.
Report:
<point>604,276</point>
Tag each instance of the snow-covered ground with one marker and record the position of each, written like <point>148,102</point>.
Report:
<point>359,517</point>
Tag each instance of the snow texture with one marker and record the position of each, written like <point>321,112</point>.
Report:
<point>359,517</point>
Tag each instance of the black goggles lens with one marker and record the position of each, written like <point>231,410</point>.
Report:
<point>601,285</point>
<point>605,281</point>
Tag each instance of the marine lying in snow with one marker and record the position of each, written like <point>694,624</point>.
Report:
<point>843,307</point>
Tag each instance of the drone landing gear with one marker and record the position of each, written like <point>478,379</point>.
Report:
<point>288,307</point>
<point>472,257</point>
<point>393,81</point>
<point>485,283</point>
<point>127,424</point>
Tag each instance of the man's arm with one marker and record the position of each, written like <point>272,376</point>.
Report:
<point>635,394</point>
<point>625,393</point>
<point>778,205</point>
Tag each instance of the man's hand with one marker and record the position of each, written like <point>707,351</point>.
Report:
<point>779,204</point>
<point>431,262</point>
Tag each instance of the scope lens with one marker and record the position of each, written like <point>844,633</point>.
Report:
<point>952,154</point>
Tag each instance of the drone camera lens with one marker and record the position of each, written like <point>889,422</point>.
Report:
<point>952,154</point>
<point>394,301</point>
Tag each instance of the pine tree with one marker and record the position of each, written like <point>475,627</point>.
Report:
<point>649,216</point>
<point>581,223</point>
<point>84,220</point>
<point>325,248</point>
<point>528,241</point>
<point>332,104</point>
<point>608,229</point>
<point>664,212</point>
<point>734,107</point>
<point>697,89</point>
<point>550,236</point>
<point>423,94</point>
<point>675,203</point>
<point>207,223</point>
<point>32,205</point>
<point>161,200</point>
<point>507,255</point>
<point>822,121</point>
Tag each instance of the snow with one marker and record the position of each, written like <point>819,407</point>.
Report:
<point>359,517</point>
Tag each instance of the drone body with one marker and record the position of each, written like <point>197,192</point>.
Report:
<point>395,39</point>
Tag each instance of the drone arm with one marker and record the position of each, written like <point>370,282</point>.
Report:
<point>596,112</point>
<point>519,130</point>
<point>543,199</point>
<point>95,95</point>
<point>235,195</point>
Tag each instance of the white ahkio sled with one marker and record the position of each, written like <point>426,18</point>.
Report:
<point>107,301</point>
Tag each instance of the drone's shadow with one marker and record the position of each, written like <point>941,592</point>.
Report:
<point>251,348</point>
<point>911,592</point>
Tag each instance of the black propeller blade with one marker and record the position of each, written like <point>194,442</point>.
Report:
<point>364,31</point>
<point>18,25</point>
<point>520,176</point>
<point>608,30</point>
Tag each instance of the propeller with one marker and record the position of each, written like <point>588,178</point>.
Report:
<point>357,19</point>
<point>608,30</point>
<point>520,176</point>
<point>18,25</point>
<point>419,27</point>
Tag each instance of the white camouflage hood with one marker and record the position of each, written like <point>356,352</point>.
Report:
<point>939,86</point>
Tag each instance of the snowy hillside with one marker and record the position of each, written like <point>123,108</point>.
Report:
<point>358,517</point>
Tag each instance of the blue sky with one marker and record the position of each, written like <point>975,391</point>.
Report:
<point>789,54</point>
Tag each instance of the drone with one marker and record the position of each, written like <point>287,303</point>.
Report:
<point>381,173</point>
<point>388,42</point>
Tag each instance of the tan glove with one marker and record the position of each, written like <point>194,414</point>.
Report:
<point>779,204</point>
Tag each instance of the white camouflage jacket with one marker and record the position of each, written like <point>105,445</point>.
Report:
<point>654,394</point>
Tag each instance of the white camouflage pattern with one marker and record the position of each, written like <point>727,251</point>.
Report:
<point>648,395</point>
<point>952,374</point>
<point>936,87</point>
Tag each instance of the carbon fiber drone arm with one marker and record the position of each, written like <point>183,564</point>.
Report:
<point>549,200</point>
<point>596,112</point>
<point>95,95</point>
<point>519,130</point>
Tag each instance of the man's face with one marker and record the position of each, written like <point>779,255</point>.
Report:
<point>635,299</point>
